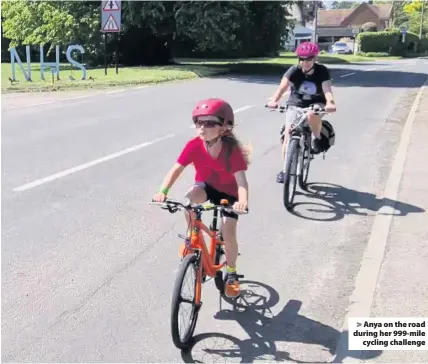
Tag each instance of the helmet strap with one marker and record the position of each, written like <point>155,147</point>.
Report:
<point>309,70</point>
<point>211,142</point>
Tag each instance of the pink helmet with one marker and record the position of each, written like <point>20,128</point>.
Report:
<point>307,49</point>
<point>215,107</point>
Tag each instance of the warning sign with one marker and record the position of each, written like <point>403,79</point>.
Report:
<point>111,25</point>
<point>111,16</point>
<point>111,6</point>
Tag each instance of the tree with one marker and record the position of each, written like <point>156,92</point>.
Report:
<point>413,10</point>
<point>43,22</point>
<point>51,23</point>
<point>369,27</point>
<point>412,6</point>
<point>151,30</point>
<point>306,10</point>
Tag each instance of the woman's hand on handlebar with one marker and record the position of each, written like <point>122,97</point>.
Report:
<point>272,104</point>
<point>330,107</point>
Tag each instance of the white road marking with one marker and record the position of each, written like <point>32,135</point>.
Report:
<point>87,165</point>
<point>361,299</point>
<point>392,65</point>
<point>115,91</point>
<point>235,111</point>
<point>243,108</point>
<point>349,74</point>
<point>52,102</point>
<point>76,98</point>
<point>371,69</point>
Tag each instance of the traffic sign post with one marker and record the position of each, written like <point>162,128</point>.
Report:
<point>403,31</point>
<point>111,14</point>
<point>355,32</point>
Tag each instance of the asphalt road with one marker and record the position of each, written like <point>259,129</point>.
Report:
<point>88,266</point>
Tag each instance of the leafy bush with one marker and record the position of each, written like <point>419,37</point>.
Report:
<point>373,54</point>
<point>369,27</point>
<point>387,42</point>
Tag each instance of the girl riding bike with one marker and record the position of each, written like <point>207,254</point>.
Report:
<point>220,164</point>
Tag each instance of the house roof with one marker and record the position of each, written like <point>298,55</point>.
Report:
<point>334,18</point>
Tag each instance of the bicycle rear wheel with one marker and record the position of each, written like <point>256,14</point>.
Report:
<point>305,162</point>
<point>182,340</point>
<point>290,173</point>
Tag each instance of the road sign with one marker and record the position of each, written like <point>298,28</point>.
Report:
<point>111,25</point>
<point>111,6</point>
<point>403,30</point>
<point>111,13</point>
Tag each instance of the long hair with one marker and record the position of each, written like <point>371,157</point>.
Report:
<point>231,142</point>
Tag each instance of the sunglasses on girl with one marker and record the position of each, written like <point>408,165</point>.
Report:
<point>207,123</point>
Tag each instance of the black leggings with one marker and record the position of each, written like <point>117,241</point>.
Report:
<point>216,196</point>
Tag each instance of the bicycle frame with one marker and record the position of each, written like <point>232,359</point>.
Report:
<point>197,243</point>
<point>300,131</point>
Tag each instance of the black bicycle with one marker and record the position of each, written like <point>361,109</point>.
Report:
<point>299,153</point>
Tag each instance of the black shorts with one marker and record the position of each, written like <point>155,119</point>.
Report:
<point>216,196</point>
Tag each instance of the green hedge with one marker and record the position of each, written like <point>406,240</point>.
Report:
<point>373,54</point>
<point>387,42</point>
<point>423,46</point>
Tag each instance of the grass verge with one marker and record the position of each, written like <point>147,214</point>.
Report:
<point>184,69</point>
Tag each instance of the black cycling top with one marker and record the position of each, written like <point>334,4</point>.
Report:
<point>307,89</point>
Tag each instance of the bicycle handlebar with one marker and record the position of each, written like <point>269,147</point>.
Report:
<point>317,109</point>
<point>173,206</point>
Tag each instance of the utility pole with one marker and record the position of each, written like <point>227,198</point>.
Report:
<point>314,34</point>
<point>422,19</point>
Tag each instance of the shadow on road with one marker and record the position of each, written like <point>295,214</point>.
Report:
<point>253,313</point>
<point>271,73</point>
<point>337,201</point>
<point>378,78</point>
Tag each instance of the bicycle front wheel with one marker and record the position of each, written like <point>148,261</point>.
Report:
<point>290,172</point>
<point>305,162</point>
<point>182,337</point>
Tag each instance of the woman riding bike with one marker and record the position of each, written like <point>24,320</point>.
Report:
<point>310,83</point>
<point>220,163</point>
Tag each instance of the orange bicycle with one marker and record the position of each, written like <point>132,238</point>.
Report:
<point>197,259</point>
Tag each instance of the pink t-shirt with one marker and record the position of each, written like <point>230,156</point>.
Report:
<point>213,171</point>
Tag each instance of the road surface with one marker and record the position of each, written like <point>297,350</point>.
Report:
<point>88,266</point>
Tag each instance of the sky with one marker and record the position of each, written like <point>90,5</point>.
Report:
<point>328,3</point>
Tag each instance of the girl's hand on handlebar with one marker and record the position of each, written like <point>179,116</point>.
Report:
<point>159,197</point>
<point>240,206</point>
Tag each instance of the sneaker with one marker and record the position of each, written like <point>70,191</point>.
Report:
<point>280,177</point>
<point>231,287</point>
<point>315,146</point>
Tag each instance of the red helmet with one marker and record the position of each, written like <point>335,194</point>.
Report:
<point>216,107</point>
<point>307,49</point>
